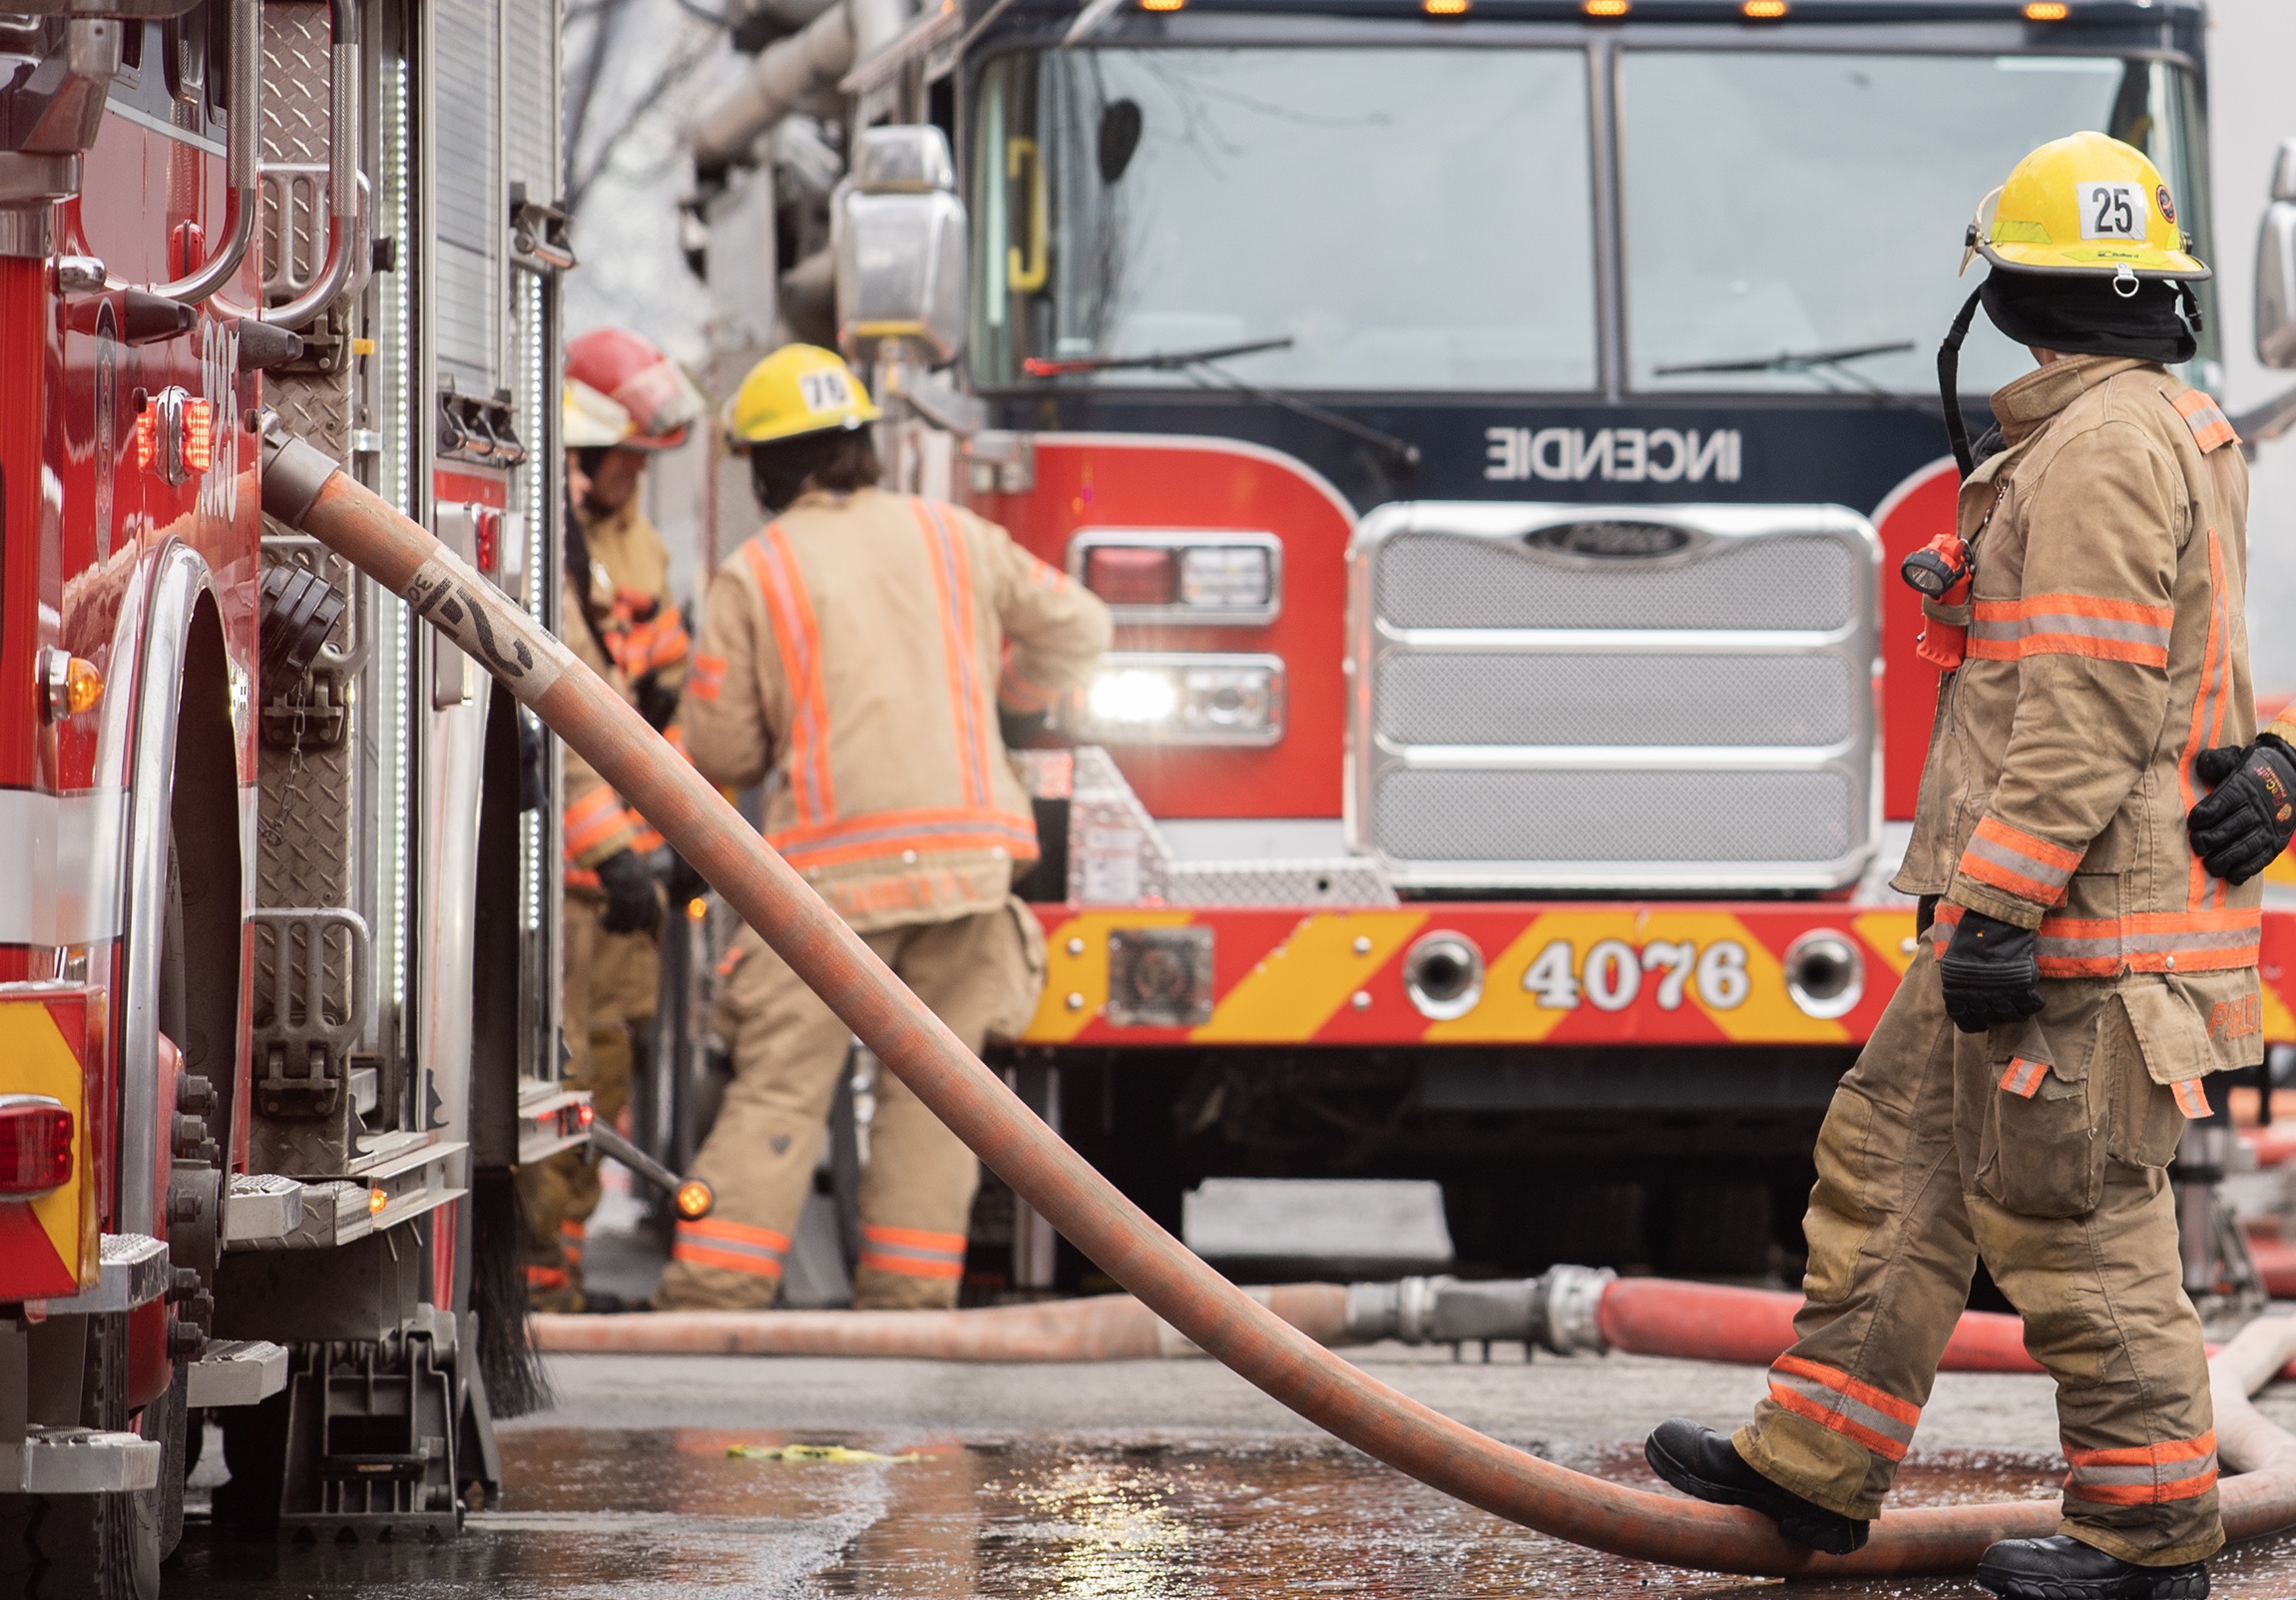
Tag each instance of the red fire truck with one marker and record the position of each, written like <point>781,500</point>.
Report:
<point>1497,427</point>
<point>275,997</point>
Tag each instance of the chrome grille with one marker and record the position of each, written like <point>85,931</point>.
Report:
<point>1533,709</point>
<point>1435,579</point>
<point>1506,818</point>
<point>1486,698</point>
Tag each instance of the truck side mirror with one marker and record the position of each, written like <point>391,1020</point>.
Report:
<point>897,242</point>
<point>2277,266</point>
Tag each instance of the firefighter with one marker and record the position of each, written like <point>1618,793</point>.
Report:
<point>2081,970</point>
<point>623,400</point>
<point>854,656</point>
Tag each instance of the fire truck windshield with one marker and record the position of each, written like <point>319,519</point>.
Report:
<point>1778,201</point>
<point>1416,219</point>
<point>1425,219</point>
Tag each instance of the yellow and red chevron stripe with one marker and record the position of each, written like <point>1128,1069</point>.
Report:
<point>1553,975</point>
<point>49,1246</point>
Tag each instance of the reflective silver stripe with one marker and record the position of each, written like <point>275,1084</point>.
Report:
<point>1856,1411</point>
<point>872,1246</point>
<point>2147,1474</point>
<point>2008,856</point>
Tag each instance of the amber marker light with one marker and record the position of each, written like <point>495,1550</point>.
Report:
<point>693,1199</point>
<point>697,908</point>
<point>1444,8</point>
<point>1606,8</point>
<point>1161,5</point>
<point>376,1199</point>
<point>2047,11</point>
<point>82,686</point>
<point>1764,10</point>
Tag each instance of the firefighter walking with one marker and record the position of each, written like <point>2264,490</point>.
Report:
<point>853,656</point>
<point>2024,1094</point>
<point>625,400</point>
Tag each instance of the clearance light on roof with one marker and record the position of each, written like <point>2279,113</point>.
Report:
<point>1161,5</point>
<point>2047,11</point>
<point>1606,8</point>
<point>1764,10</point>
<point>1444,8</point>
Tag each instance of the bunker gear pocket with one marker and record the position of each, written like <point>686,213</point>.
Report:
<point>2165,1042</point>
<point>1841,1217</point>
<point>2040,1152</point>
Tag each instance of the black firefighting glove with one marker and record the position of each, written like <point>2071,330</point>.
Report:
<point>631,905</point>
<point>1991,972</point>
<point>2248,819</point>
<point>656,702</point>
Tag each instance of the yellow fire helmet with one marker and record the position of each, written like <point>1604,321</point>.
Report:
<point>799,389</point>
<point>2081,206</point>
<point>591,420</point>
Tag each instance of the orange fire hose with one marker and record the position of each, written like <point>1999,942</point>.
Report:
<point>304,489</point>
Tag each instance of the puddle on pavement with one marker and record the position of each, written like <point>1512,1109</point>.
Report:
<point>669,1513</point>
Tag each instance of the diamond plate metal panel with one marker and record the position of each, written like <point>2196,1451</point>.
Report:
<point>297,47</point>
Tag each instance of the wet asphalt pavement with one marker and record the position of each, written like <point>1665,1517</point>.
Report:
<point>1145,1478</point>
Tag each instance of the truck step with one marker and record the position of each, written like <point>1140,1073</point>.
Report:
<point>79,1460</point>
<point>134,1273</point>
<point>236,1371</point>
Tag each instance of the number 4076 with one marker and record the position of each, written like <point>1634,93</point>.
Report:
<point>1613,975</point>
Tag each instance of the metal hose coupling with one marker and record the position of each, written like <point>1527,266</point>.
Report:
<point>1557,1312</point>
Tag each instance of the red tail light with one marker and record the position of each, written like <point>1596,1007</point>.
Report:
<point>1133,575</point>
<point>35,1146</point>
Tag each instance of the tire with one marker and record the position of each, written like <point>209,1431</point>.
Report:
<point>91,1546</point>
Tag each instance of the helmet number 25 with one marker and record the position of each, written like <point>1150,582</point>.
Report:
<point>2111,211</point>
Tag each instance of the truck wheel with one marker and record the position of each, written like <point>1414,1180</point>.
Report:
<point>89,1547</point>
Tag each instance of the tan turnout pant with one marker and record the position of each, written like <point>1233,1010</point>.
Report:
<point>980,974</point>
<point>2041,1149</point>
<point>612,983</point>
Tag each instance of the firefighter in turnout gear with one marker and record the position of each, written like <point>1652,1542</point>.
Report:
<point>855,655</point>
<point>2080,968</point>
<point>623,400</point>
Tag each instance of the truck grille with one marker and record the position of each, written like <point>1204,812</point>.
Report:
<point>1554,696</point>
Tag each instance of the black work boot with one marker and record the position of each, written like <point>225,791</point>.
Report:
<point>2061,1567</point>
<point>1704,1465</point>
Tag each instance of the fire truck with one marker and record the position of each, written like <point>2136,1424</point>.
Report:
<point>1497,425</point>
<point>276,866</point>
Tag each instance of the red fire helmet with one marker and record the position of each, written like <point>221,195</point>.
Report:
<point>662,401</point>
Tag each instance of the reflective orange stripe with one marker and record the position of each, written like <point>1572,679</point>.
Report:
<point>2070,625</point>
<point>570,1240</point>
<point>2210,427</point>
<point>1833,1400</point>
<point>968,699</point>
<point>913,1252</point>
<point>593,820</point>
<point>545,1278</point>
<point>883,834</point>
<point>2026,865</point>
<point>774,567</point>
<point>2022,1078</point>
<point>732,1247</point>
<point>707,678</point>
<point>2191,1099</point>
<point>582,877</point>
<point>2147,1474</point>
<point>1016,694</point>
<point>2143,942</point>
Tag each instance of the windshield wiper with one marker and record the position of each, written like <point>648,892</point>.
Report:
<point>1786,361</point>
<point>1154,362</point>
<point>1402,451</point>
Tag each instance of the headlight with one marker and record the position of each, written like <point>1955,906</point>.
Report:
<point>1183,699</point>
<point>1151,576</point>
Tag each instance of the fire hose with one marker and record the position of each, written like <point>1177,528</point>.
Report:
<point>304,489</point>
